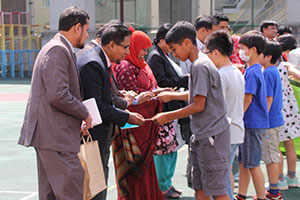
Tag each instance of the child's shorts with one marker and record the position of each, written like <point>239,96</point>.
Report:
<point>250,151</point>
<point>210,163</point>
<point>270,142</point>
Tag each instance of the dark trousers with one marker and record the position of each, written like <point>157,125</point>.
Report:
<point>60,175</point>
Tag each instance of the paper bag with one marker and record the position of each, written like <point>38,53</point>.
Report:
<point>89,156</point>
<point>86,191</point>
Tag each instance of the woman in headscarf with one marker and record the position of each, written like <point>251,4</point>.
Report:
<point>135,169</point>
<point>167,74</point>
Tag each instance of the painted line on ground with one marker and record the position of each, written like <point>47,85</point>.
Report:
<point>8,139</point>
<point>30,196</point>
<point>17,192</point>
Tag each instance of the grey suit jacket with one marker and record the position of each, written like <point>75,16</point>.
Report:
<point>54,110</point>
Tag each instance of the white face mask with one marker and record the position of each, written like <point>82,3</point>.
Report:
<point>243,56</point>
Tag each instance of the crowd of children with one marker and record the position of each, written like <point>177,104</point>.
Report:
<point>258,110</point>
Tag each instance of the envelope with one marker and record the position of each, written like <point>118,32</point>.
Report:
<point>92,107</point>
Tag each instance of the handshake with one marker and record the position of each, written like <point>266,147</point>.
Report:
<point>163,95</point>
<point>133,98</point>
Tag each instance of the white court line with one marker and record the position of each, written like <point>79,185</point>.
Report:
<point>16,192</point>
<point>9,112</point>
<point>29,196</point>
<point>7,139</point>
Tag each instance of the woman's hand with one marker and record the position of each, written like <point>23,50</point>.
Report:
<point>144,96</point>
<point>159,90</point>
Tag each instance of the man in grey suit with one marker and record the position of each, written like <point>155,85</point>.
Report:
<point>54,110</point>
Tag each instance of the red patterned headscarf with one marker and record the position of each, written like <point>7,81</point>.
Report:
<point>138,41</point>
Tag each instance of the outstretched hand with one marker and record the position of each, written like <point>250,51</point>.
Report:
<point>159,90</point>
<point>144,96</point>
<point>129,96</point>
<point>160,118</point>
<point>136,118</point>
<point>165,97</point>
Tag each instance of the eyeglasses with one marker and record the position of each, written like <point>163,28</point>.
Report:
<point>124,46</point>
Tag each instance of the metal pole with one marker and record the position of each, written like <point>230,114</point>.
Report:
<point>116,9</point>
<point>122,10</point>
<point>252,15</point>
<point>171,11</point>
<point>211,7</point>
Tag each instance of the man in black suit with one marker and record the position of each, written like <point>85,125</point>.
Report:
<point>95,69</point>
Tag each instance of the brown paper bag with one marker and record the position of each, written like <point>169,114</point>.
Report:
<point>94,180</point>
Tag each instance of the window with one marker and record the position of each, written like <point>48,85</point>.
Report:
<point>45,3</point>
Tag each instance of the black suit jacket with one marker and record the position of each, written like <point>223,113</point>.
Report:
<point>95,79</point>
<point>165,75</point>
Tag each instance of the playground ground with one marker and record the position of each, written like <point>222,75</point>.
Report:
<point>18,171</point>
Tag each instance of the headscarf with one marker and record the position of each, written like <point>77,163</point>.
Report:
<point>138,41</point>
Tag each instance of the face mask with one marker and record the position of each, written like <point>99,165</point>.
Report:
<point>243,56</point>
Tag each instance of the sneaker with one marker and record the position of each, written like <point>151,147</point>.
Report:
<point>283,185</point>
<point>270,196</point>
<point>236,197</point>
<point>292,182</point>
<point>254,197</point>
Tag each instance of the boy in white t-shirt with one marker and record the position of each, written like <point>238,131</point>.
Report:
<point>218,48</point>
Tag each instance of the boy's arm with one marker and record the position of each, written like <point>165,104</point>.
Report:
<point>197,106</point>
<point>269,101</point>
<point>247,101</point>
<point>169,96</point>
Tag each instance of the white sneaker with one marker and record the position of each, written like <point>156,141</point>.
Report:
<point>292,182</point>
<point>283,185</point>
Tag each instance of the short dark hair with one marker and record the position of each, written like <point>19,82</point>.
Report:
<point>115,33</point>
<point>221,41</point>
<point>161,32</point>
<point>252,39</point>
<point>284,29</point>
<point>265,24</point>
<point>205,21</point>
<point>221,17</point>
<point>72,16</point>
<point>101,29</point>
<point>287,42</point>
<point>181,31</point>
<point>273,49</point>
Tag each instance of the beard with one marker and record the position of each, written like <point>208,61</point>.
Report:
<point>80,42</point>
<point>80,46</point>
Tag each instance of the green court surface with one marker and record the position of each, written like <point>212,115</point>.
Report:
<point>18,171</point>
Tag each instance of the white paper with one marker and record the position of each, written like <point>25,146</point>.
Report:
<point>92,107</point>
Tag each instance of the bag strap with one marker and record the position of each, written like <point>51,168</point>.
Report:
<point>88,139</point>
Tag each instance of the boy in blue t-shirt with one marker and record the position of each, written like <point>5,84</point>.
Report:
<point>271,139</point>
<point>256,120</point>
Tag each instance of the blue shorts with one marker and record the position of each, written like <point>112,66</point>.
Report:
<point>251,150</point>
